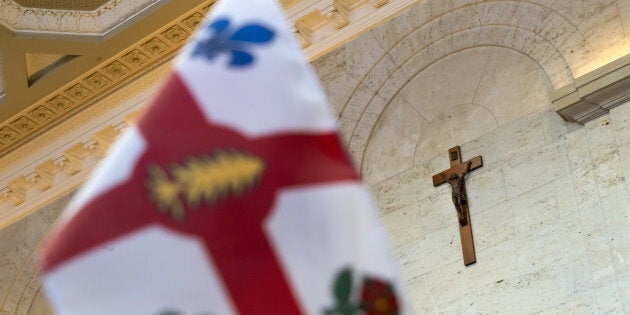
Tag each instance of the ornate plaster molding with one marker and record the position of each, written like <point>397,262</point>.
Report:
<point>99,21</point>
<point>86,89</point>
<point>62,159</point>
<point>2,84</point>
<point>84,5</point>
<point>318,33</point>
<point>324,29</point>
<point>594,93</point>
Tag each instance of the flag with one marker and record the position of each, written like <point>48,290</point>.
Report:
<point>231,195</point>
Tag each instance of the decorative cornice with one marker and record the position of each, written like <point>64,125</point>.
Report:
<point>594,93</point>
<point>99,21</point>
<point>322,31</point>
<point>316,26</point>
<point>83,91</point>
<point>60,159</point>
<point>82,5</point>
<point>2,84</point>
<point>65,156</point>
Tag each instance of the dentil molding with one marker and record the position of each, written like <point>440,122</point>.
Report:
<point>98,21</point>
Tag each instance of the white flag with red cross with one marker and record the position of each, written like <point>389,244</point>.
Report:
<point>232,195</point>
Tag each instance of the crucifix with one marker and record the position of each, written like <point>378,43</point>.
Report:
<point>455,177</point>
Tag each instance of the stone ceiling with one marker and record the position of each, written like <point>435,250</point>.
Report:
<point>76,17</point>
<point>84,5</point>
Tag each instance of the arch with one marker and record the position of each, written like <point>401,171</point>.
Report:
<point>409,55</point>
<point>380,99</point>
<point>25,286</point>
<point>429,30</point>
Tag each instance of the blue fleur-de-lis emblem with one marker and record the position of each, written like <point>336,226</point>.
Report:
<point>237,42</point>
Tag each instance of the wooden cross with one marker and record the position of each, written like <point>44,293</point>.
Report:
<point>455,177</point>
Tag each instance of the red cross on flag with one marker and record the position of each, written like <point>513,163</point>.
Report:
<point>232,195</point>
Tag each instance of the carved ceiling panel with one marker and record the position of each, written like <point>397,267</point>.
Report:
<point>2,86</point>
<point>79,5</point>
<point>105,17</point>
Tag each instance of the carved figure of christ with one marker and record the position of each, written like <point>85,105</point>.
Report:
<point>455,176</point>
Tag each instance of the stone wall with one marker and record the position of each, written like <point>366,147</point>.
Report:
<point>549,208</point>
<point>550,214</point>
<point>20,289</point>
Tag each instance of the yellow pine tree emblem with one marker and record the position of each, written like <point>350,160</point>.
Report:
<point>203,179</point>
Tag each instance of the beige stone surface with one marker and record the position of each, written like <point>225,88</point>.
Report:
<point>536,167</point>
<point>624,155</point>
<point>449,82</point>
<point>508,141</point>
<point>392,143</point>
<point>621,119</point>
<point>20,289</point>
<point>436,56</point>
<point>550,222</point>
<point>512,86</point>
<point>455,125</point>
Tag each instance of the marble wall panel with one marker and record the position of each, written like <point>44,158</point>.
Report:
<point>420,218</point>
<point>486,187</point>
<point>339,91</point>
<point>533,254</point>
<point>608,299</point>
<point>601,136</point>
<point>583,304</point>
<point>624,155</point>
<point>385,157</point>
<point>624,11</point>
<point>506,142</point>
<point>624,290</point>
<point>436,250</point>
<point>19,285</point>
<point>565,195</point>
<point>555,127</point>
<point>550,221</point>
<point>605,20</point>
<point>431,92</point>
<point>362,55</point>
<point>533,213</point>
<point>410,186</point>
<point>422,300</point>
<point>457,124</point>
<point>380,72</point>
<point>355,106</point>
<point>358,141</point>
<point>346,127</point>
<point>621,119</point>
<point>535,168</point>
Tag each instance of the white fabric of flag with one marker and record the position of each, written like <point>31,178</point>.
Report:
<point>231,195</point>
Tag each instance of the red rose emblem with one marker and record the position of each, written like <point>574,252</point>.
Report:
<point>377,298</point>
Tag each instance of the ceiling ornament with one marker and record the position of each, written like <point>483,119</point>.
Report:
<point>99,21</point>
<point>82,5</point>
<point>313,29</point>
<point>2,86</point>
<point>79,93</point>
